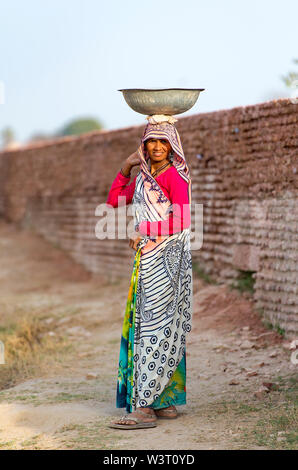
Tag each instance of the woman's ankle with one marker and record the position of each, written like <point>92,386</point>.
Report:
<point>147,410</point>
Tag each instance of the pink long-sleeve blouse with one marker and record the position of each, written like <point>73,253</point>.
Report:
<point>175,189</point>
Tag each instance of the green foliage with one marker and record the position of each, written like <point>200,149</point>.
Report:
<point>7,135</point>
<point>260,310</point>
<point>291,77</point>
<point>201,273</point>
<point>80,126</point>
<point>275,327</point>
<point>244,282</point>
<point>280,331</point>
<point>268,324</point>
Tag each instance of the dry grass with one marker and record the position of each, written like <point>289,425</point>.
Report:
<point>28,348</point>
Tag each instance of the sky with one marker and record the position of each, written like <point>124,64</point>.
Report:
<point>66,59</point>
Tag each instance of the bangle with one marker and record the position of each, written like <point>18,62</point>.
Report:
<point>124,174</point>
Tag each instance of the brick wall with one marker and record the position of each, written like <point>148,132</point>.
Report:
<point>243,164</point>
<point>3,179</point>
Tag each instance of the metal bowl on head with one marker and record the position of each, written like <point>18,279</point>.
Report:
<point>169,101</point>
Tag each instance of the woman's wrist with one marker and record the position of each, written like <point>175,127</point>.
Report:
<point>124,174</point>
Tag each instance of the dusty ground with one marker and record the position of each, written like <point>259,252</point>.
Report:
<point>229,356</point>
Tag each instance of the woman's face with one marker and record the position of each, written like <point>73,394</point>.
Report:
<point>158,149</point>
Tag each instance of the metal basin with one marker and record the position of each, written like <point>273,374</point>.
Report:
<point>168,101</point>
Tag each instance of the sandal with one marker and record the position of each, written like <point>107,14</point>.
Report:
<point>166,413</point>
<point>138,423</point>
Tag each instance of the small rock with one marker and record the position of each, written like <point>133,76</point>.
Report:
<point>280,439</point>
<point>280,433</point>
<point>252,373</point>
<point>51,333</point>
<point>264,389</point>
<point>49,320</point>
<point>247,344</point>
<point>261,364</point>
<point>245,328</point>
<point>234,382</point>
<point>91,375</point>
<point>273,354</point>
<point>266,334</point>
<point>220,346</point>
<point>261,392</point>
<point>294,345</point>
<point>270,385</point>
<point>63,320</point>
<point>84,354</point>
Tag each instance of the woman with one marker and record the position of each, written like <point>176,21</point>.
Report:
<point>152,367</point>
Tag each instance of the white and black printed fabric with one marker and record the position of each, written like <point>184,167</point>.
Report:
<point>152,364</point>
<point>163,312</point>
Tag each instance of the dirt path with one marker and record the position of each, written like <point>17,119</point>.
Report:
<point>229,356</point>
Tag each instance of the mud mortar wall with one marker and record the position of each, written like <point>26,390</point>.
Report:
<point>243,164</point>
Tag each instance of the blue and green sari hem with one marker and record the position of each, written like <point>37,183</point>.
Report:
<point>175,391</point>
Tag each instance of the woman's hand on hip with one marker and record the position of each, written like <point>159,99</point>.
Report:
<point>134,240</point>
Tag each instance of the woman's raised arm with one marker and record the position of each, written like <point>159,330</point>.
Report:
<point>120,186</point>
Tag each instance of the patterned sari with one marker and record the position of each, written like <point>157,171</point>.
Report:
<point>152,362</point>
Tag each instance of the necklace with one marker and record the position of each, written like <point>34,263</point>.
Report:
<point>159,169</point>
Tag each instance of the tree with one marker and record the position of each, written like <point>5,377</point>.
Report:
<point>291,77</point>
<point>80,126</point>
<point>8,136</point>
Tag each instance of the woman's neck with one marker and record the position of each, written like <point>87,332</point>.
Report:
<point>156,165</point>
